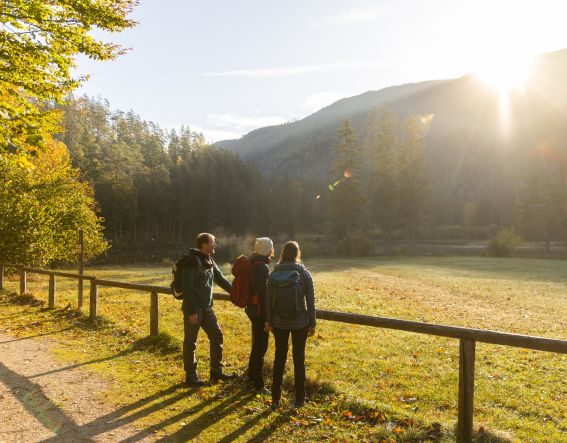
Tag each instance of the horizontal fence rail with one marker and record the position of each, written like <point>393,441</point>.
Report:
<point>467,336</point>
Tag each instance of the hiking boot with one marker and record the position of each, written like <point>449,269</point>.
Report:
<point>222,377</point>
<point>193,381</point>
<point>246,379</point>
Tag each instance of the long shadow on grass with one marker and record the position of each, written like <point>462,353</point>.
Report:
<point>43,334</point>
<point>34,400</point>
<point>250,423</point>
<point>162,344</point>
<point>8,317</point>
<point>192,429</point>
<point>85,363</point>
<point>143,407</point>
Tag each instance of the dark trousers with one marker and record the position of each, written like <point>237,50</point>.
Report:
<point>259,348</point>
<point>207,320</point>
<point>298,340</point>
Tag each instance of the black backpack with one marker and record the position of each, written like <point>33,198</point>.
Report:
<point>183,262</point>
<point>287,294</point>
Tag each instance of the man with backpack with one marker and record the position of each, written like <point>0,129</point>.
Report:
<point>197,271</point>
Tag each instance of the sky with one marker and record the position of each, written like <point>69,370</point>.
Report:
<point>225,68</point>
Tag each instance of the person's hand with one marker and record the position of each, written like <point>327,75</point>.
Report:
<point>193,319</point>
<point>311,332</point>
<point>268,327</point>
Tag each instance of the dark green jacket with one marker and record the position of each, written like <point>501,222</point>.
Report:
<point>197,282</point>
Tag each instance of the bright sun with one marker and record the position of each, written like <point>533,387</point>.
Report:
<point>505,75</point>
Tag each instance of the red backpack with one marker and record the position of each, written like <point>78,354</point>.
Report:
<point>240,293</point>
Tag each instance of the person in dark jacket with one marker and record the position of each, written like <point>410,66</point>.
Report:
<point>256,310</point>
<point>299,327</point>
<point>197,279</point>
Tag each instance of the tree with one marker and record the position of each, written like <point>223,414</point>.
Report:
<point>380,146</point>
<point>411,178</point>
<point>42,209</point>
<point>346,197</point>
<point>39,43</point>
<point>541,203</point>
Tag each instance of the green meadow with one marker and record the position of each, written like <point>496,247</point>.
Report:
<point>365,384</point>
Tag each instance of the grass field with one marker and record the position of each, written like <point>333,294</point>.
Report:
<point>365,383</point>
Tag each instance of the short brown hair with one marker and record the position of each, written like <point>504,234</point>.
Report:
<point>203,238</point>
<point>291,252</point>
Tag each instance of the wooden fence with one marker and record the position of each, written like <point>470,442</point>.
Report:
<point>466,336</point>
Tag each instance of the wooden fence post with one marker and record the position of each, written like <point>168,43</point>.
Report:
<point>81,266</point>
<point>1,277</point>
<point>466,390</point>
<point>154,315</point>
<point>51,298</point>
<point>93,301</point>
<point>23,285</point>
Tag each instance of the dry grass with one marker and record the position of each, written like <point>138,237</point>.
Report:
<point>372,384</point>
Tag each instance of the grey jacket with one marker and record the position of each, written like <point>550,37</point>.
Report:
<point>306,318</point>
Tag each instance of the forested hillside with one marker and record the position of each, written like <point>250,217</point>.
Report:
<point>489,158</point>
<point>154,185</point>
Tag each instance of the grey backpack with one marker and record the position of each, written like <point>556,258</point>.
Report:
<point>287,293</point>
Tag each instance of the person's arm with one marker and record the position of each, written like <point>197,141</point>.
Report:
<point>310,299</point>
<point>188,289</point>
<point>261,283</point>
<point>220,280</point>
<point>268,306</point>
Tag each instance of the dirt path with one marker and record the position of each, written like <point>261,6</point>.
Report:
<point>44,400</point>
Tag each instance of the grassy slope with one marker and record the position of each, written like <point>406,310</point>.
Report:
<point>370,383</point>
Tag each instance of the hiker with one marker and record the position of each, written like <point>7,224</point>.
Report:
<point>290,310</point>
<point>256,310</point>
<point>198,273</point>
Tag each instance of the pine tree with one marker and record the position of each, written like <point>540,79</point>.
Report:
<point>346,197</point>
<point>541,206</point>
<point>380,145</point>
<point>411,179</point>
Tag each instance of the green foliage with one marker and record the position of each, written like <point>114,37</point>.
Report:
<point>155,186</point>
<point>412,177</point>
<point>542,201</point>
<point>381,151</point>
<point>346,195</point>
<point>39,43</point>
<point>42,209</point>
<point>504,243</point>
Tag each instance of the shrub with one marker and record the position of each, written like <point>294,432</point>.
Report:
<point>356,244</point>
<point>504,243</point>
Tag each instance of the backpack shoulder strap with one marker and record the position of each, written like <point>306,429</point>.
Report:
<point>199,263</point>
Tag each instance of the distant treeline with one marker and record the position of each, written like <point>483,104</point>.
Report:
<point>154,185</point>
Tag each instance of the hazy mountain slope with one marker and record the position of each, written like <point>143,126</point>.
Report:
<point>477,145</point>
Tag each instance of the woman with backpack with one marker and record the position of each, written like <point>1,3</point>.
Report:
<point>290,310</point>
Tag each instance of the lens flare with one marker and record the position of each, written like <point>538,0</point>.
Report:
<point>427,118</point>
